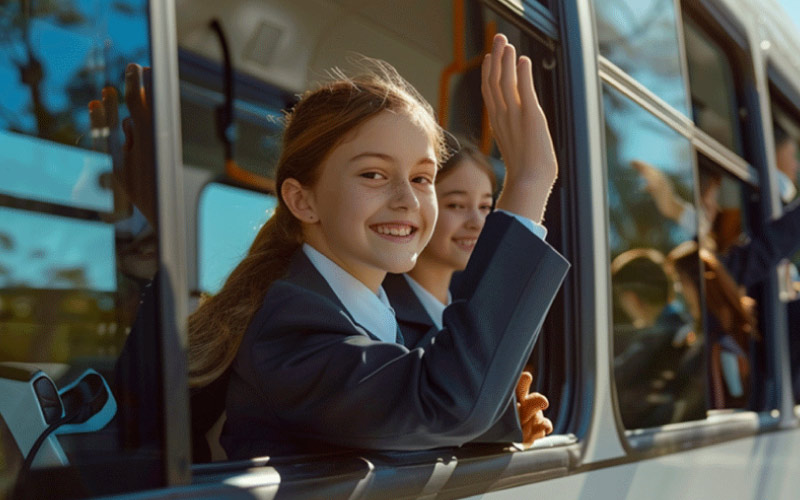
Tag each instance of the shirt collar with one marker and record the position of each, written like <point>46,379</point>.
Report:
<point>371,311</point>
<point>433,307</point>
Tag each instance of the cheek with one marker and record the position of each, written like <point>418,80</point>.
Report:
<point>429,209</point>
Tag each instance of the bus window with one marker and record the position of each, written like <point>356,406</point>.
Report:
<point>78,254</point>
<point>228,220</point>
<point>715,107</point>
<point>257,118</point>
<point>658,343</point>
<point>418,41</point>
<point>786,129</point>
<point>735,345</point>
<point>641,38</point>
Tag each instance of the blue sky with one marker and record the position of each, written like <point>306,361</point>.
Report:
<point>792,7</point>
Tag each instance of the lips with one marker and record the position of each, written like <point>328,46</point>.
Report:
<point>395,231</point>
<point>466,244</point>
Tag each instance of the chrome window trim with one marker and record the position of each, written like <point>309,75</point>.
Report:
<point>172,251</point>
<point>596,422</point>
<point>615,77</point>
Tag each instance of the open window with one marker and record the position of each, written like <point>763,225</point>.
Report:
<point>438,47</point>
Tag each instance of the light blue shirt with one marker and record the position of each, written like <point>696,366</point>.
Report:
<point>370,311</point>
<point>433,307</point>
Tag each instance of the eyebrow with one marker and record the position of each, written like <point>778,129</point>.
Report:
<point>385,157</point>
<point>464,193</point>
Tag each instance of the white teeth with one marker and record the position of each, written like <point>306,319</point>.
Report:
<point>394,231</point>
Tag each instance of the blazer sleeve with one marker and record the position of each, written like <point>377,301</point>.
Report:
<point>322,381</point>
<point>750,263</point>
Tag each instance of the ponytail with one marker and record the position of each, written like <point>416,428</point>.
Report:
<point>216,328</point>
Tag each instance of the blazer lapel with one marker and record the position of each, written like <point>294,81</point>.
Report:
<point>302,272</point>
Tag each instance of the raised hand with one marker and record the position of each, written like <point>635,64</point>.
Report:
<point>661,189</point>
<point>520,129</point>
<point>530,408</point>
<point>133,162</point>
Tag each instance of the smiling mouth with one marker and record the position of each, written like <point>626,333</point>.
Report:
<point>466,244</point>
<point>395,232</point>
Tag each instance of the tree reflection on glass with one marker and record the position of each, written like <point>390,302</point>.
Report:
<point>641,37</point>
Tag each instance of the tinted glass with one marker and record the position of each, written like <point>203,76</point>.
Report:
<point>658,339</point>
<point>641,37</point>
<point>78,253</point>
<point>229,218</point>
<point>731,326</point>
<point>787,159</point>
<point>714,101</point>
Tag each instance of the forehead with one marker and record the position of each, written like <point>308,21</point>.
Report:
<point>467,176</point>
<point>394,134</point>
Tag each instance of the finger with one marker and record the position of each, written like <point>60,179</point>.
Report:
<point>97,116</point>
<point>147,78</point>
<point>127,129</point>
<point>508,77</point>
<point>548,427</point>
<point>133,91</point>
<point>495,70</point>
<point>538,401</point>
<point>110,106</point>
<point>523,386</point>
<point>525,87</point>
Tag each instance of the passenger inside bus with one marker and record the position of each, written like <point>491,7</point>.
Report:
<point>655,347</point>
<point>465,184</point>
<point>747,262</point>
<point>342,378</point>
<point>731,322</point>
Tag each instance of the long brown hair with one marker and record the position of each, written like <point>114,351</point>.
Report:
<point>724,300</point>
<point>314,127</point>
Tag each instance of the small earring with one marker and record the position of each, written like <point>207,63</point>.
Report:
<point>312,218</point>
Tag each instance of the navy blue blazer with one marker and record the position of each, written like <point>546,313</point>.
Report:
<point>307,379</point>
<point>750,263</point>
<point>418,330</point>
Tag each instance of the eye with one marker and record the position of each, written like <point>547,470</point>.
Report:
<point>372,175</point>
<point>485,208</point>
<point>422,179</point>
<point>455,206</point>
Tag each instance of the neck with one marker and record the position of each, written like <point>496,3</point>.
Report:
<point>370,277</point>
<point>433,278</point>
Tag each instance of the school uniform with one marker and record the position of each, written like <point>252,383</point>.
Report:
<point>309,378</point>
<point>419,317</point>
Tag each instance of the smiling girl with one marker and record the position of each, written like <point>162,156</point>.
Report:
<point>317,360</point>
<point>464,188</point>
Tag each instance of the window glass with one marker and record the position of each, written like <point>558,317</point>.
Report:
<point>78,256</point>
<point>641,38</point>
<point>258,128</point>
<point>658,336</point>
<point>229,218</point>
<point>734,343</point>
<point>787,159</point>
<point>714,101</point>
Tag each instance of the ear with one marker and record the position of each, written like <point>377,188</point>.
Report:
<point>300,201</point>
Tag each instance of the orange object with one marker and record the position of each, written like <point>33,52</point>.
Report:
<point>238,174</point>
<point>460,65</point>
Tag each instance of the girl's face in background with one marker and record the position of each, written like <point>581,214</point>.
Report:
<point>374,199</point>
<point>465,199</point>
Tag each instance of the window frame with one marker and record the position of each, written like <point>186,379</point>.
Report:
<point>643,443</point>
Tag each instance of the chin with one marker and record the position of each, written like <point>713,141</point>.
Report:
<point>400,266</point>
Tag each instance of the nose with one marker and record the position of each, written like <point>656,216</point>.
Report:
<point>403,196</point>
<point>476,219</point>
